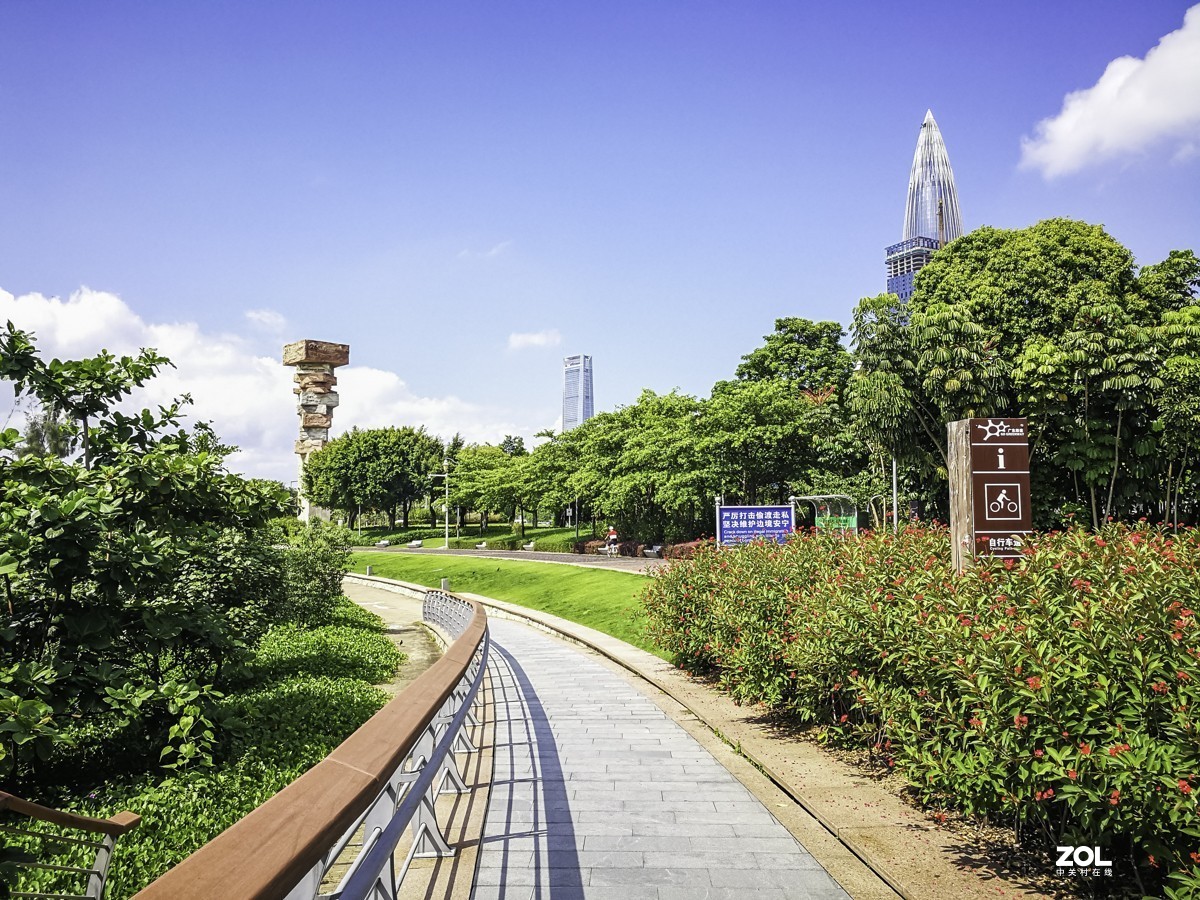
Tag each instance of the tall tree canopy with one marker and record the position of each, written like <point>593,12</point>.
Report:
<point>381,469</point>
<point>1053,322</point>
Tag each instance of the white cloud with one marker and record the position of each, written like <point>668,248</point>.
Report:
<point>498,250</point>
<point>247,396</point>
<point>267,320</point>
<point>521,340</point>
<point>1137,104</point>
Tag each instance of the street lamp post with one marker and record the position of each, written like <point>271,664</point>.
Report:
<point>445,476</point>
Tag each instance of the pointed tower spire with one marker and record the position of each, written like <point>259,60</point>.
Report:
<point>930,188</point>
<point>931,216</point>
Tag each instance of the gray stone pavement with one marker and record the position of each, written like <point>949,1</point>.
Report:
<point>597,794</point>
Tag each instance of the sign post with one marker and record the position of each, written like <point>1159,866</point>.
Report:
<point>989,488</point>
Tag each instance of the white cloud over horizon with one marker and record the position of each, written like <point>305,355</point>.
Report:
<point>521,340</point>
<point>1137,104</point>
<point>497,250</point>
<point>245,394</point>
<point>267,320</point>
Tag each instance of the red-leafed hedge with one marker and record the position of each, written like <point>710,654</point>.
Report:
<point>1058,692</point>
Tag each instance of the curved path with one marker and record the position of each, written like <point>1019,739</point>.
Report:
<point>596,793</point>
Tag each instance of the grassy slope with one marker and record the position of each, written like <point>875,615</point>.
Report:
<point>604,600</point>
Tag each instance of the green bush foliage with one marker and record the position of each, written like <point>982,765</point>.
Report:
<point>1057,693</point>
<point>316,558</point>
<point>283,730</point>
<point>132,573</point>
<point>335,651</point>
<point>270,733</point>
<point>347,612</point>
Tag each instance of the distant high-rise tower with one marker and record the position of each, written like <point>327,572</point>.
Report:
<point>931,215</point>
<point>577,391</point>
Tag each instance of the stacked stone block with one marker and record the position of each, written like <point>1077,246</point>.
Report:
<point>314,362</point>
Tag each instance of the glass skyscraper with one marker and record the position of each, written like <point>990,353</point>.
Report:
<point>577,391</point>
<point>931,215</point>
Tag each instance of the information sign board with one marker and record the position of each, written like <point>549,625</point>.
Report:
<point>1000,488</point>
<point>989,487</point>
<point>742,524</point>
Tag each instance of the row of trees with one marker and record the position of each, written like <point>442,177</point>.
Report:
<point>1053,322</point>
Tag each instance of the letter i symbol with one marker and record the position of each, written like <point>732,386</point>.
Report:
<point>1000,456</point>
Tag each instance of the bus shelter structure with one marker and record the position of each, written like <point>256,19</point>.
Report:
<point>832,512</point>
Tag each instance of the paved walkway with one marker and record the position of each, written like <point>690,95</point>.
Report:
<point>597,794</point>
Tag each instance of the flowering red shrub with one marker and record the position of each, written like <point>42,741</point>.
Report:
<point>990,691</point>
<point>686,550</point>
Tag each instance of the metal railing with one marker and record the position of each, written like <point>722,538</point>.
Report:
<point>353,807</point>
<point>451,614</point>
<point>94,876</point>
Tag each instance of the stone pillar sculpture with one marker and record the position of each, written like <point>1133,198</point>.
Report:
<point>315,381</point>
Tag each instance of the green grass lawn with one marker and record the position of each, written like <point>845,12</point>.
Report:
<point>601,599</point>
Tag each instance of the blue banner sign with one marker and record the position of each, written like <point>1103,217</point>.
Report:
<point>741,524</point>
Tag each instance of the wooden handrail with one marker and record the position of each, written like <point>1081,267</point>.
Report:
<point>267,853</point>
<point>114,825</point>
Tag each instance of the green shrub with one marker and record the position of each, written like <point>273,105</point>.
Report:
<point>334,651</point>
<point>235,582</point>
<point>349,614</point>
<point>1056,693</point>
<point>283,722</point>
<point>315,562</point>
<point>283,730</point>
<point>555,545</point>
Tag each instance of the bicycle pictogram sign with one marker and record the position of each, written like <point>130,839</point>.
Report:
<point>1001,502</point>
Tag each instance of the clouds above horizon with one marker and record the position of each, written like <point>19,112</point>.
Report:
<point>1137,104</point>
<point>522,340</point>
<point>234,383</point>
<point>497,250</point>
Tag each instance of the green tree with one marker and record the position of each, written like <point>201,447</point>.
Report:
<point>754,435</point>
<point>478,476</point>
<point>513,445</point>
<point>48,433</point>
<point>111,566</point>
<point>808,354</point>
<point>1053,322</point>
<point>382,469</point>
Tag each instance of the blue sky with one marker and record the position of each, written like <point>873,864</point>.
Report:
<point>650,183</point>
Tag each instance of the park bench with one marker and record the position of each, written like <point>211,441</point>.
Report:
<point>482,545</point>
<point>383,543</point>
<point>528,546</point>
<point>654,552</point>
<point>413,545</point>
